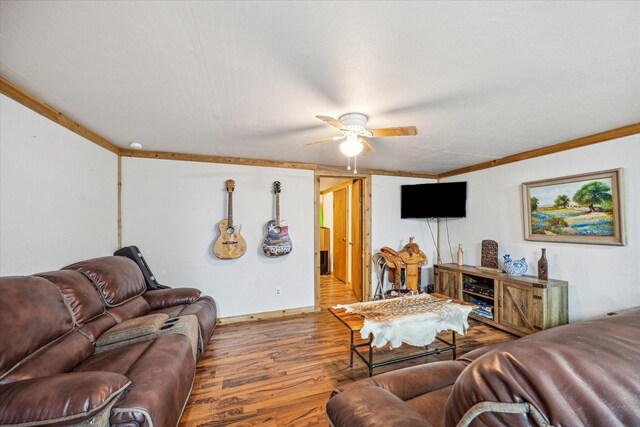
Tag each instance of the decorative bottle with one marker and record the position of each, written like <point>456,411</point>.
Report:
<point>543,266</point>
<point>460,254</point>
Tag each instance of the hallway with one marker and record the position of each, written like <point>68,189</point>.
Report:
<point>334,291</point>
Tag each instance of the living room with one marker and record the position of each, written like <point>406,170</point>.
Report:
<point>122,123</point>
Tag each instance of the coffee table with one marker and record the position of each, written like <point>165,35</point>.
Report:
<point>355,322</point>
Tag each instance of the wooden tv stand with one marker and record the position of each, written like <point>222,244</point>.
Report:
<point>521,305</point>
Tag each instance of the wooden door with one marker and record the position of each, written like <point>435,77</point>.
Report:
<point>516,306</point>
<point>356,238</point>
<point>447,283</point>
<point>340,234</point>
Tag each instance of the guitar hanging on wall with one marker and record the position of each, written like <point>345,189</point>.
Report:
<point>230,244</point>
<point>277,241</point>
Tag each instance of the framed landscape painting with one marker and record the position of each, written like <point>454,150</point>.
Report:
<point>586,208</point>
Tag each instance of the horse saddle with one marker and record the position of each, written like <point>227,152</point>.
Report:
<point>404,266</point>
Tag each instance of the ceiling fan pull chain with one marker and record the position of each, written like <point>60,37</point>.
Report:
<point>348,163</point>
<point>355,165</point>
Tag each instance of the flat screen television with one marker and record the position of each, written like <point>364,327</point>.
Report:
<point>444,200</point>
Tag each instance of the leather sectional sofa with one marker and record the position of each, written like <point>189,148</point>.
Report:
<point>90,345</point>
<point>583,374</point>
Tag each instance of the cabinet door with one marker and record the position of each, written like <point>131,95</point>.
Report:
<point>516,306</point>
<point>447,283</point>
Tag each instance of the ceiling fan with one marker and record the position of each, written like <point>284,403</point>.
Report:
<point>352,127</point>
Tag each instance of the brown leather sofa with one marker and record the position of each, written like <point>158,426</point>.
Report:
<point>89,345</point>
<point>583,374</point>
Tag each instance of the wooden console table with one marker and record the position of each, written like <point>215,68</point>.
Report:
<point>355,322</point>
<point>521,304</point>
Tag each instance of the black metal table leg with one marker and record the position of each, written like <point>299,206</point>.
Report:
<point>351,350</point>
<point>453,344</point>
<point>370,355</point>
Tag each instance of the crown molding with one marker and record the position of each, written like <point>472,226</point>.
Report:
<point>167,155</point>
<point>550,149</point>
<point>39,106</point>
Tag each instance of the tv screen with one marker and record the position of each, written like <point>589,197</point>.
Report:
<point>445,200</point>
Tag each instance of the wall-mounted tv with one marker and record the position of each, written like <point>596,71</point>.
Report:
<point>445,200</point>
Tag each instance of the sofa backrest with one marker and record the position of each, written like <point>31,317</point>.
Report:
<point>80,295</point>
<point>33,314</point>
<point>50,321</point>
<point>118,279</point>
<point>584,373</point>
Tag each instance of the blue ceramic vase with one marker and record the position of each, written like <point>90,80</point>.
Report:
<point>515,267</point>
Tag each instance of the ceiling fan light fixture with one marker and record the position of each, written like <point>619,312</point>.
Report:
<point>351,147</point>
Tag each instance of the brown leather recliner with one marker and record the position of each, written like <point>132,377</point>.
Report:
<point>89,344</point>
<point>583,374</point>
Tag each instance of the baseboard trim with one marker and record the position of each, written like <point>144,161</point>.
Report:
<point>265,315</point>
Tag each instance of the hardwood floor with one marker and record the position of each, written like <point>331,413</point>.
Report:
<point>280,372</point>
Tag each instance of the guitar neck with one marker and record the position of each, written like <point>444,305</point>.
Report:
<point>230,209</point>
<point>277,209</point>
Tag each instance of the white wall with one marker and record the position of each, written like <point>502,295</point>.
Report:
<point>388,229</point>
<point>601,278</point>
<point>58,194</point>
<point>170,210</point>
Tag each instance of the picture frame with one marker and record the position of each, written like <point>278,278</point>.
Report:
<point>586,208</point>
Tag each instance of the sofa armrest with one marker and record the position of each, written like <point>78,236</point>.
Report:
<point>413,381</point>
<point>66,398</point>
<point>372,406</point>
<point>163,298</point>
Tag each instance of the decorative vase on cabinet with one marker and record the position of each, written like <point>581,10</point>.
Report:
<point>515,267</point>
<point>543,266</point>
<point>460,260</point>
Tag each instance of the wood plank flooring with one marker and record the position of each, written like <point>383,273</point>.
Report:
<point>280,372</point>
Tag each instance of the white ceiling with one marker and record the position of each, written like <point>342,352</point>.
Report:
<point>480,80</point>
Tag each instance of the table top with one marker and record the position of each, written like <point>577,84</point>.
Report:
<point>355,322</point>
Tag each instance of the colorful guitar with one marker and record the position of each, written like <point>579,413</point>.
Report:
<point>230,244</point>
<point>277,241</point>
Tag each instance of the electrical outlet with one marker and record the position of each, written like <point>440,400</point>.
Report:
<point>278,292</point>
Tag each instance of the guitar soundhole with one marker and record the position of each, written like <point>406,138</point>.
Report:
<point>277,230</point>
<point>230,230</point>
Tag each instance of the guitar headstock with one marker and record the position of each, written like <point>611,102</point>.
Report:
<point>230,185</point>
<point>276,187</point>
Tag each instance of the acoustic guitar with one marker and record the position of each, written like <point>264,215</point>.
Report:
<point>230,244</point>
<point>277,241</point>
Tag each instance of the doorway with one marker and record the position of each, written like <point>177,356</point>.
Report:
<point>343,224</point>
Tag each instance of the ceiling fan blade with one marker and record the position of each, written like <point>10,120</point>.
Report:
<point>331,122</point>
<point>400,131</point>
<point>322,141</point>
<point>366,147</point>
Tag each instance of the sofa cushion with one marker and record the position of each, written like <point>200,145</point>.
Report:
<point>64,398</point>
<point>132,328</point>
<point>58,357</point>
<point>118,360</point>
<point>135,307</point>
<point>117,278</point>
<point>93,329</point>
<point>161,371</point>
<point>32,314</point>
<point>431,405</point>
<point>79,293</point>
<point>162,378</point>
